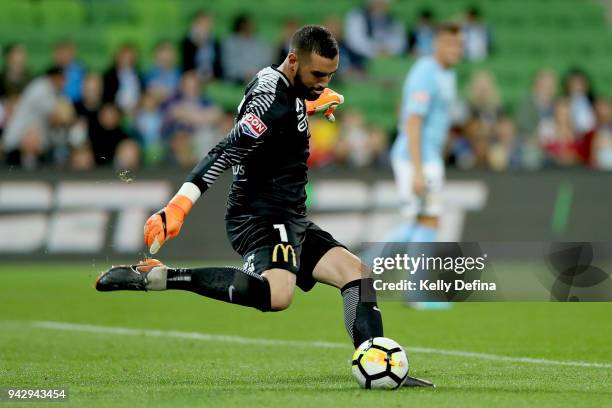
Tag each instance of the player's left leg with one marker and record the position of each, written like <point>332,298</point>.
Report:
<point>409,202</point>
<point>427,223</point>
<point>340,268</point>
<point>323,259</point>
<point>430,206</point>
<point>362,317</point>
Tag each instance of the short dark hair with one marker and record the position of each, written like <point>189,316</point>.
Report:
<point>448,28</point>
<point>426,13</point>
<point>55,70</point>
<point>314,38</point>
<point>240,21</point>
<point>473,11</point>
<point>64,42</point>
<point>10,47</point>
<point>199,14</point>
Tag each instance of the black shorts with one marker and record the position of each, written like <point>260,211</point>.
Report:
<point>293,244</point>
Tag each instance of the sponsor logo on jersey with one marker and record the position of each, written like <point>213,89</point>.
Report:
<point>285,249</point>
<point>252,125</point>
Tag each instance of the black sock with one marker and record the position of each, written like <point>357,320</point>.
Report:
<point>228,284</point>
<point>361,315</point>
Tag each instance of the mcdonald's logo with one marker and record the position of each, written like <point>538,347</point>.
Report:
<point>285,248</point>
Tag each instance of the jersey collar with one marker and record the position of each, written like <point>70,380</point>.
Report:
<point>283,76</point>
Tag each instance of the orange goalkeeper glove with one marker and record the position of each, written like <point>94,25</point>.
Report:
<point>166,223</point>
<point>326,103</point>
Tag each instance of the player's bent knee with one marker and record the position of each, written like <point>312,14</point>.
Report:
<point>339,267</point>
<point>282,286</point>
<point>352,270</point>
<point>280,300</point>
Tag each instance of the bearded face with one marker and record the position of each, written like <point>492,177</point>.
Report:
<point>313,76</point>
<point>310,93</point>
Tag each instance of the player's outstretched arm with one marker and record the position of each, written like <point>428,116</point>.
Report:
<point>248,133</point>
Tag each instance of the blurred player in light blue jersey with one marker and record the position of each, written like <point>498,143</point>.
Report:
<point>417,154</point>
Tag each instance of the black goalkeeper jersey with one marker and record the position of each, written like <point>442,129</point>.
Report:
<point>267,149</point>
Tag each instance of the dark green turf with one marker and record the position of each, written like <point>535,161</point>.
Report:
<point>109,369</point>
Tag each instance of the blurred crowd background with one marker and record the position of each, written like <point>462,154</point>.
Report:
<point>135,84</point>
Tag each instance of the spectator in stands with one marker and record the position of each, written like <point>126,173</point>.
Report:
<point>87,123</point>
<point>88,107</point>
<point>421,37</point>
<point>64,57</point>
<point>13,79</point>
<point>242,53</point>
<point>602,142</point>
<point>351,64</point>
<point>503,149</point>
<point>378,144</point>
<point>162,80</point>
<point>359,146</point>
<point>15,74</point>
<point>372,31</point>
<point>536,114</point>
<point>189,121</point>
<point>108,139</point>
<point>26,138</point>
<point>580,93</point>
<point>200,50</point>
<point>579,90</point>
<point>81,158</point>
<point>485,110</point>
<point>477,37</point>
<point>323,141</point>
<point>148,125</point>
<point>122,81</point>
<point>560,149</point>
<point>61,136</point>
<point>127,155</point>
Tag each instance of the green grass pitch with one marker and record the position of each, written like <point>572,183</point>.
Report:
<point>128,368</point>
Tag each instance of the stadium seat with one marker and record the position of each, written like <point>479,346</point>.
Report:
<point>117,34</point>
<point>62,13</point>
<point>527,35</point>
<point>109,12</point>
<point>159,15</point>
<point>18,13</point>
<point>394,69</point>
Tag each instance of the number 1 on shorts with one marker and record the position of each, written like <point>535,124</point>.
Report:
<point>283,232</point>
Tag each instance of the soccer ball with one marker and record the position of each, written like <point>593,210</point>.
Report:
<point>380,363</point>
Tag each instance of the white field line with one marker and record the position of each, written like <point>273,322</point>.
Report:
<point>126,331</point>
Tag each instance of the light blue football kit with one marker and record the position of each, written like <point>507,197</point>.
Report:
<point>429,91</point>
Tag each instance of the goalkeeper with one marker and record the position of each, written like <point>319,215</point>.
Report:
<point>266,212</point>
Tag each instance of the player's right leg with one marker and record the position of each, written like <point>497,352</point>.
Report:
<point>282,286</point>
<point>266,281</point>
<point>409,202</point>
<point>420,213</point>
<point>271,291</point>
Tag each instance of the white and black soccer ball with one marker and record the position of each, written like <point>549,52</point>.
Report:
<point>380,363</point>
